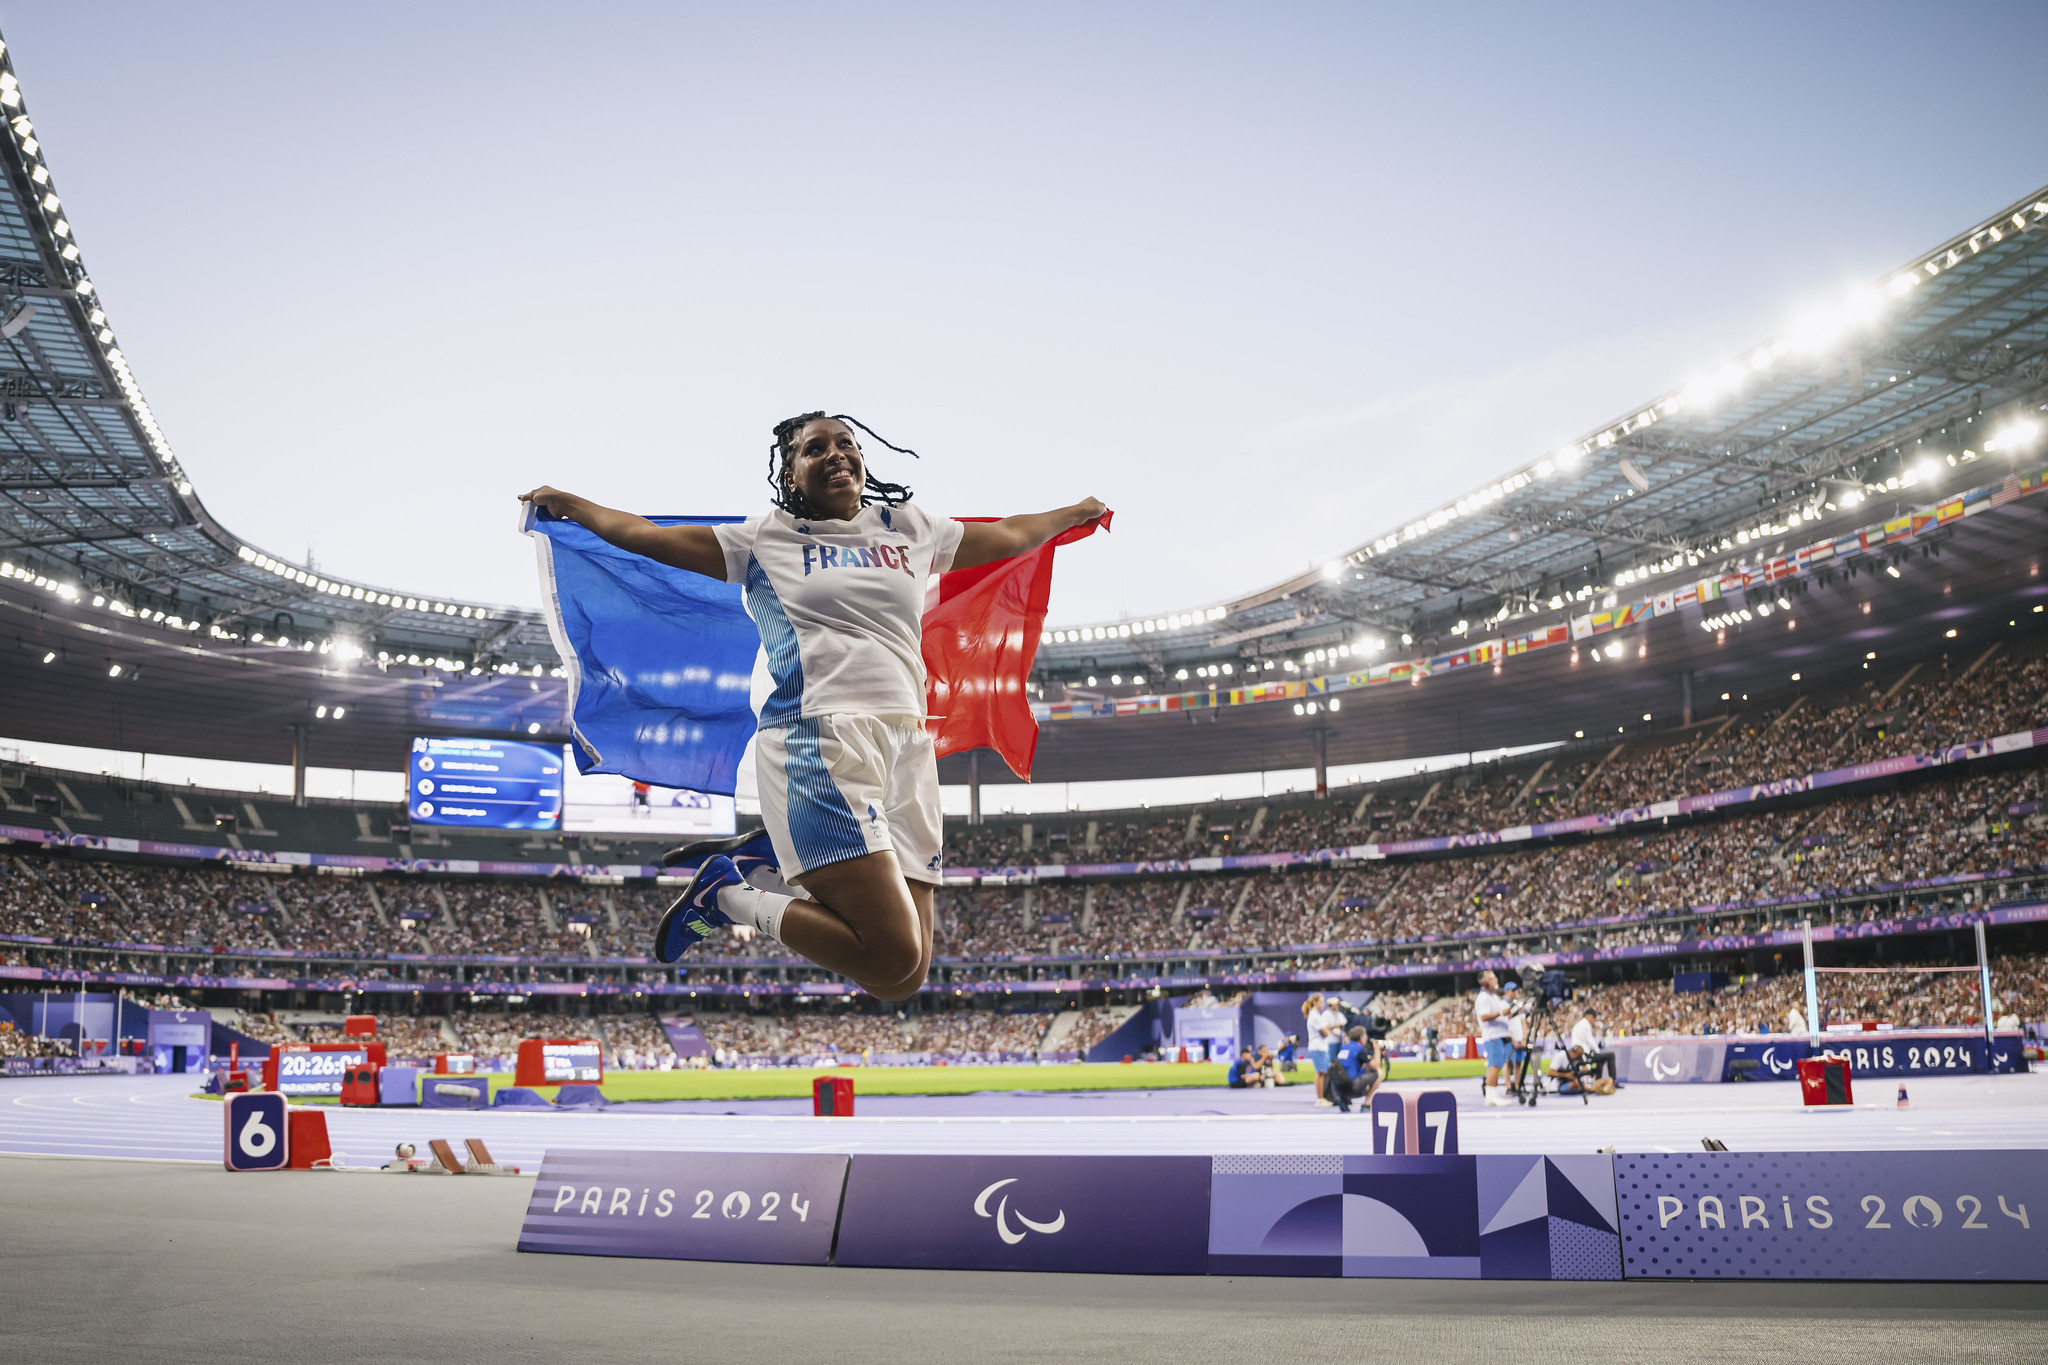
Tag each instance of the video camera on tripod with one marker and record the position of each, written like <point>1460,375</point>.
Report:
<point>1544,987</point>
<point>1376,1027</point>
<point>1542,990</point>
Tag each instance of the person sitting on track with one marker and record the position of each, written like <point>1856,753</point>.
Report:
<point>1243,1073</point>
<point>834,576</point>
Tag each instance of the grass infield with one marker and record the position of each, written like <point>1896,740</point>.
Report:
<point>795,1082</point>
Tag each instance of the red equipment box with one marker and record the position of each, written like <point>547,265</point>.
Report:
<point>832,1097</point>
<point>359,1026</point>
<point>359,1085</point>
<point>309,1139</point>
<point>454,1063</point>
<point>1825,1080</point>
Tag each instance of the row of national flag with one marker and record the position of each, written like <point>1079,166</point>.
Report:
<point>1871,539</point>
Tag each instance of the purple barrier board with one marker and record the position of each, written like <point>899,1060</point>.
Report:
<point>1895,1052</point>
<point>688,1206</point>
<point>1127,1215</point>
<point>1833,1215</point>
<point>1415,1217</point>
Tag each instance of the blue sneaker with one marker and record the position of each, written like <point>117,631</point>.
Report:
<point>748,850</point>
<point>695,914</point>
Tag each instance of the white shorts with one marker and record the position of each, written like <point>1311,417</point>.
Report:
<point>844,786</point>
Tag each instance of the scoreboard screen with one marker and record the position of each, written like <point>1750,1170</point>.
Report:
<point>485,783</point>
<point>315,1073</point>
<point>571,1062</point>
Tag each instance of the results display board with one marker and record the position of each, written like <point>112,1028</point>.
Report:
<point>316,1073</point>
<point>558,1061</point>
<point>485,783</point>
<point>601,803</point>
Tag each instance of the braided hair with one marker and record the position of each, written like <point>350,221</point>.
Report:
<point>782,456</point>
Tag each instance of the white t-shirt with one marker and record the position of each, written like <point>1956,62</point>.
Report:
<point>840,605</point>
<point>1326,1028</point>
<point>1795,1022</point>
<point>1582,1036</point>
<point>1489,1003</point>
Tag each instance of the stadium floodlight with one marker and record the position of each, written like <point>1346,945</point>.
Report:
<point>1333,703</point>
<point>113,670</point>
<point>1892,569</point>
<point>340,711</point>
<point>50,657</point>
<point>1226,670</point>
<point>320,713</point>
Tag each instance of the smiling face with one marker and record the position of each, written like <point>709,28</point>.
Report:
<point>825,468</point>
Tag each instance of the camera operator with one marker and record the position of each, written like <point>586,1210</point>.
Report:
<point>1585,1046</point>
<point>1357,1069</point>
<point>1492,1014</point>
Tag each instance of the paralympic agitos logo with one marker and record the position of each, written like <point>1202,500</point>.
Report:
<point>1003,1212</point>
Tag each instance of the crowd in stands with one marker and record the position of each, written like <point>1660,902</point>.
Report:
<point>1902,999</point>
<point>638,1042</point>
<point>15,1042</point>
<point>1093,1026</point>
<point>499,1035</point>
<point>794,1033</point>
<point>1977,823</point>
<point>1932,828</point>
<point>958,1031</point>
<point>1935,708</point>
<point>401,1034</point>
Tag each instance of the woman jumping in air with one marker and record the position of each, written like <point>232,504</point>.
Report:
<point>834,577</point>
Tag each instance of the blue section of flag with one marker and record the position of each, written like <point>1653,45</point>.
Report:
<point>662,659</point>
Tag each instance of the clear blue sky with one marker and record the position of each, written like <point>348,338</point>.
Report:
<point>1267,279</point>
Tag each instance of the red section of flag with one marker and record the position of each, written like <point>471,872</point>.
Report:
<point>980,637</point>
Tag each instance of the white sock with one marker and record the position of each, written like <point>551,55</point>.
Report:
<point>757,909</point>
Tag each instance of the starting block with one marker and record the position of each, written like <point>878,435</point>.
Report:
<point>1825,1081</point>
<point>309,1146</point>
<point>1415,1123</point>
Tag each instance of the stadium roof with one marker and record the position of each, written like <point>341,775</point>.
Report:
<point>1801,427</point>
<point>113,565</point>
<point>93,497</point>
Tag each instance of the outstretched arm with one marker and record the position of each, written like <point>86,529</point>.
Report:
<point>984,542</point>
<point>694,548</point>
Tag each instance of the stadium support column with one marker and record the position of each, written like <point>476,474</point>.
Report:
<point>1321,737</point>
<point>1984,986</point>
<point>1685,697</point>
<point>1813,1029</point>
<point>301,732</point>
<point>974,786</point>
